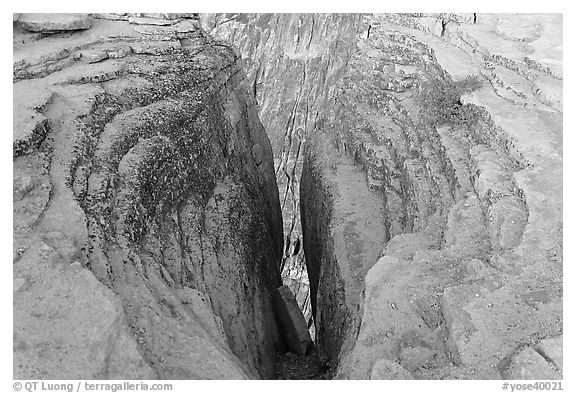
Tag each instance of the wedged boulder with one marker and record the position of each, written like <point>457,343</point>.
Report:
<point>52,23</point>
<point>292,321</point>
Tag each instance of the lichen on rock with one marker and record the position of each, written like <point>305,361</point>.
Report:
<point>156,200</point>
<point>400,174</point>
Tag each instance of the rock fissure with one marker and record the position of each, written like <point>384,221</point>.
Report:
<point>453,209</point>
<point>287,196</point>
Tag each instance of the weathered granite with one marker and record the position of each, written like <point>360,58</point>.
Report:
<point>52,23</point>
<point>147,235</point>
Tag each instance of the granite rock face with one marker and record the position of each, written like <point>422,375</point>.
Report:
<point>54,23</point>
<point>293,62</point>
<point>147,224</point>
<point>471,268</point>
<point>430,154</point>
<point>418,159</point>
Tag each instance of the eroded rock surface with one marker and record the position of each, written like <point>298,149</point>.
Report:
<point>147,224</point>
<point>471,268</point>
<point>464,202</point>
<point>419,161</point>
<point>54,23</point>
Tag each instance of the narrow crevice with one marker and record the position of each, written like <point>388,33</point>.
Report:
<point>444,25</point>
<point>289,197</point>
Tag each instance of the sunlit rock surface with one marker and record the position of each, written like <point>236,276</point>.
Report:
<point>472,270</point>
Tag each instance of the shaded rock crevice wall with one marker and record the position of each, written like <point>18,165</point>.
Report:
<point>293,62</point>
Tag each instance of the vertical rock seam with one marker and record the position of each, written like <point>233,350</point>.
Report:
<point>294,61</point>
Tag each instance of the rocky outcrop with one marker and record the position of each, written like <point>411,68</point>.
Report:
<point>147,224</point>
<point>438,125</point>
<point>54,23</point>
<point>470,272</point>
<point>419,162</point>
<point>343,234</point>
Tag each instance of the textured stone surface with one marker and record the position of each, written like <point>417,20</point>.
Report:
<point>292,321</point>
<point>432,235</point>
<point>147,236</point>
<point>94,56</point>
<point>67,325</point>
<point>459,208</point>
<point>552,350</point>
<point>528,364</point>
<point>51,23</point>
<point>386,369</point>
<point>292,61</point>
<point>151,21</point>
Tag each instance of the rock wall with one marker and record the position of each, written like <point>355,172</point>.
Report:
<point>462,203</point>
<point>147,223</point>
<point>419,162</point>
<point>293,62</point>
<point>469,282</point>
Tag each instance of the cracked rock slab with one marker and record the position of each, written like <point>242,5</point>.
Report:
<point>51,23</point>
<point>151,21</point>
